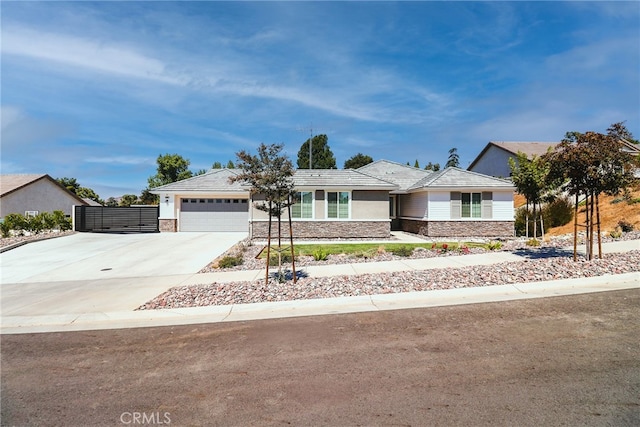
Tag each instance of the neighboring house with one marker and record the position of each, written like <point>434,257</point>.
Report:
<point>493,160</point>
<point>449,203</point>
<point>31,194</point>
<point>364,203</point>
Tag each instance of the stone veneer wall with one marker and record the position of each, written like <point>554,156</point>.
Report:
<point>168,225</point>
<point>459,228</point>
<point>325,229</point>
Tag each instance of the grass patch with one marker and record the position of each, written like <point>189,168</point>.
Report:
<point>369,250</point>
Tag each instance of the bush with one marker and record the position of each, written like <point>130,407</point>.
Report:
<point>557,213</point>
<point>230,261</point>
<point>16,222</point>
<point>494,246</point>
<point>625,226</point>
<point>5,229</point>
<point>61,221</point>
<point>616,233</point>
<point>403,251</point>
<point>273,259</point>
<point>533,242</point>
<point>320,255</point>
<point>521,224</point>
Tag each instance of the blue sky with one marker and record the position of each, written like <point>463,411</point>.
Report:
<point>97,90</point>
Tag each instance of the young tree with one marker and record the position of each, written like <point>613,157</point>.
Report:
<point>530,178</point>
<point>216,165</point>
<point>231,165</point>
<point>270,174</point>
<point>589,164</point>
<point>357,161</point>
<point>321,155</point>
<point>171,168</point>
<point>416,164</point>
<point>454,159</point>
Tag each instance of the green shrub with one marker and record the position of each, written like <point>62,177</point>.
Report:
<point>230,261</point>
<point>494,246</point>
<point>615,233</point>
<point>16,222</point>
<point>557,213</point>
<point>273,259</point>
<point>533,242</point>
<point>521,224</point>
<point>625,226</point>
<point>320,255</point>
<point>60,221</point>
<point>5,229</point>
<point>403,251</point>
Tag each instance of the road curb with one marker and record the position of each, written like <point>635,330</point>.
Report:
<point>316,307</point>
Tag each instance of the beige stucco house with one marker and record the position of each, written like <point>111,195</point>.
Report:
<point>368,202</point>
<point>30,194</point>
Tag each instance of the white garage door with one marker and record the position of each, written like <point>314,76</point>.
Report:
<point>214,215</point>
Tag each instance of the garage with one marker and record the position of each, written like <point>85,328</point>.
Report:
<point>199,214</point>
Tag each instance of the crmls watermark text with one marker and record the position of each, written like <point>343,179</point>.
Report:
<point>145,418</point>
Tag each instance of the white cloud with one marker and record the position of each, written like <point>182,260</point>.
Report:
<point>122,160</point>
<point>84,53</point>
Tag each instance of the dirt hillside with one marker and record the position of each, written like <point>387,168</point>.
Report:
<point>610,213</point>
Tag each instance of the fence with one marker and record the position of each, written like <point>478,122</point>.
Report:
<point>138,219</point>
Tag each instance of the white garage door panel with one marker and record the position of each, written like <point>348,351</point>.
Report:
<point>214,215</point>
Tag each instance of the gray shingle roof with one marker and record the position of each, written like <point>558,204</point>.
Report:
<point>344,178</point>
<point>214,180</point>
<point>402,175</point>
<point>455,177</point>
<point>217,180</point>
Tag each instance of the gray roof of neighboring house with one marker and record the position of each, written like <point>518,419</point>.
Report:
<point>342,178</point>
<point>403,176</point>
<point>214,180</point>
<point>529,148</point>
<point>456,177</point>
<point>14,182</point>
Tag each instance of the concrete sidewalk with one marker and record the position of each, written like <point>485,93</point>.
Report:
<point>110,303</point>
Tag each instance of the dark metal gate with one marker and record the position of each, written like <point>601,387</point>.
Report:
<point>138,219</point>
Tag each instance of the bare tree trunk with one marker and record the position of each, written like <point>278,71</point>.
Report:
<point>279,248</point>
<point>541,221</point>
<point>575,230</point>
<point>589,213</point>
<point>526,221</point>
<point>266,278</point>
<point>598,222</point>
<point>293,256</point>
<point>535,222</point>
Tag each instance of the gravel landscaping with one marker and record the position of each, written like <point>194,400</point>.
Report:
<point>547,262</point>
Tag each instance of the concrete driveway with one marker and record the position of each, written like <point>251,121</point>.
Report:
<point>95,272</point>
<point>91,256</point>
